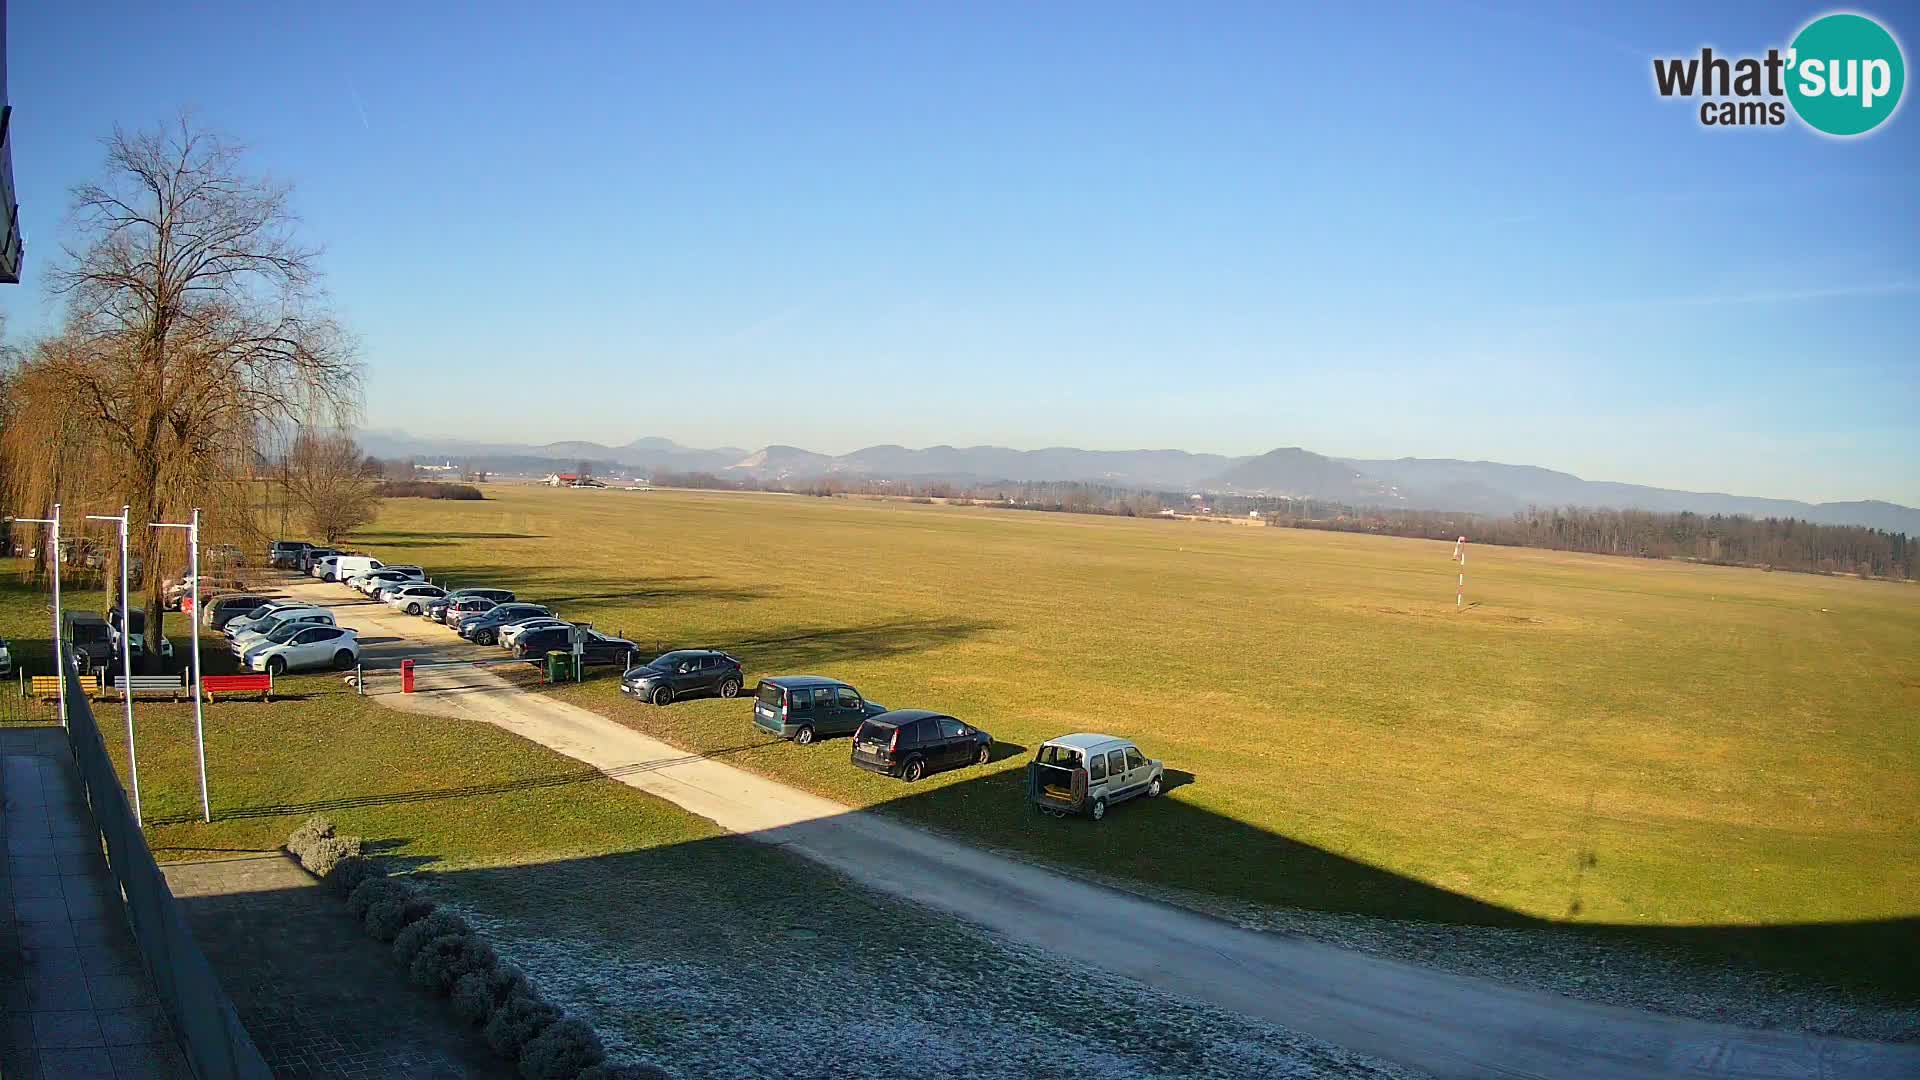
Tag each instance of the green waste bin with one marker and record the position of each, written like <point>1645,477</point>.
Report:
<point>559,666</point>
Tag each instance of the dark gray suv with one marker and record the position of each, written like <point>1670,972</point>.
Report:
<point>684,673</point>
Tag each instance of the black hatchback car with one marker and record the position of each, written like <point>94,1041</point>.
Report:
<point>684,673</point>
<point>598,648</point>
<point>910,743</point>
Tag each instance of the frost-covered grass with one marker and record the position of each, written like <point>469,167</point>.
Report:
<point>1632,974</point>
<point>726,959</point>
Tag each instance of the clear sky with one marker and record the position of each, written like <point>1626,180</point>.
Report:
<point>1442,230</point>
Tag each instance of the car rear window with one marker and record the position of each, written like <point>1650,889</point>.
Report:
<point>872,732</point>
<point>1063,756</point>
<point>772,695</point>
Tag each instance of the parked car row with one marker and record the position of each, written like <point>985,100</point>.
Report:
<point>481,615</point>
<point>279,636</point>
<point>1083,773</point>
<point>95,640</point>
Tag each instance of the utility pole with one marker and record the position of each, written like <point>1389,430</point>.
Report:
<point>126,653</point>
<point>199,693</point>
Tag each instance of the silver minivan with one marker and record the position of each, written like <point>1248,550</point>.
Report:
<point>1086,772</point>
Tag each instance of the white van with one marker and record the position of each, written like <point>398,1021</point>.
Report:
<point>348,567</point>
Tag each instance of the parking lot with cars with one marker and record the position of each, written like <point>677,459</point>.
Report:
<point>400,614</point>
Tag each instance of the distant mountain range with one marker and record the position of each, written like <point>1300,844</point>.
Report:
<point>1484,487</point>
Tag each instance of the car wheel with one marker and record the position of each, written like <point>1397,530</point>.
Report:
<point>804,737</point>
<point>1154,788</point>
<point>915,769</point>
<point>342,660</point>
<point>276,665</point>
<point>729,687</point>
<point>486,637</point>
<point>329,578</point>
<point>983,755</point>
<point>662,695</point>
<point>1099,809</point>
<point>413,609</point>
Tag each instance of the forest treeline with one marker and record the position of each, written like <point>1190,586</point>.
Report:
<point>1730,540</point>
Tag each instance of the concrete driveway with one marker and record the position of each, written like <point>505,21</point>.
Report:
<point>1449,1025</point>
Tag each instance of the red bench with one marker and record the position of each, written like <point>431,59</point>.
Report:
<point>238,684</point>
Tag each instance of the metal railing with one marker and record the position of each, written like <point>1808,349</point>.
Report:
<point>215,1041</point>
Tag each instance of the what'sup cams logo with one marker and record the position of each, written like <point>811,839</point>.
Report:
<point>1842,76</point>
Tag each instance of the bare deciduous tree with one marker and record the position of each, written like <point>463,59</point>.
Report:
<point>328,481</point>
<point>194,328</point>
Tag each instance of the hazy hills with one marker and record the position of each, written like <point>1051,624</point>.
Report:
<point>1409,483</point>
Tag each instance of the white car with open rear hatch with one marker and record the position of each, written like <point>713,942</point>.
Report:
<point>1086,773</point>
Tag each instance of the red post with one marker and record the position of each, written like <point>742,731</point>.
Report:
<point>406,676</point>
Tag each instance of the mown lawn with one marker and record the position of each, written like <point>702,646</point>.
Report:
<point>1605,742</point>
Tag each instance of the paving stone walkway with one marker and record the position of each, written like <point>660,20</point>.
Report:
<point>320,998</point>
<point>75,1002</point>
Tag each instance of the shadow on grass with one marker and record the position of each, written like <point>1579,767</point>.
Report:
<point>728,901</point>
<point>537,585</point>
<point>435,539</point>
<point>1172,842</point>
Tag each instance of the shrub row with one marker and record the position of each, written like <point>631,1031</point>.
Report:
<point>442,953</point>
<point>426,489</point>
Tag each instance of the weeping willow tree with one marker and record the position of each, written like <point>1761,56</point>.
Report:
<point>195,329</point>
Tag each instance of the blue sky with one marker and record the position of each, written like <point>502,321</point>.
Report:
<point>1442,230</point>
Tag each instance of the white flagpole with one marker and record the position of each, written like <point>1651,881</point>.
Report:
<point>126,654</point>
<point>199,687</point>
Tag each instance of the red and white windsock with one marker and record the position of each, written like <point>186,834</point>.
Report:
<point>1460,556</point>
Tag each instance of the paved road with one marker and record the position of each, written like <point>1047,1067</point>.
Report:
<point>1449,1025</point>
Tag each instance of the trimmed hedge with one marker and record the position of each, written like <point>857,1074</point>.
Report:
<point>408,943</point>
<point>445,959</point>
<point>477,993</point>
<point>314,828</point>
<point>349,872</point>
<point>608,1070</point>
<point>389,915</point>
<point>367,892</point>
<point>517,1022</point>
<point>322,851</point>
<point>443,954</point>
<point>560,1051</point>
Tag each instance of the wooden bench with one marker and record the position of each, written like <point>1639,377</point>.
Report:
<point>48,686</point>
<point>171,685</point>
<point>238,684</point>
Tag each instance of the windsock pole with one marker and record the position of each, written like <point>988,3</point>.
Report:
<point>1460,556</point>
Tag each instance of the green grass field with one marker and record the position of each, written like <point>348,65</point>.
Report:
<point>1699,755</point>
<point>1597,741</point>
